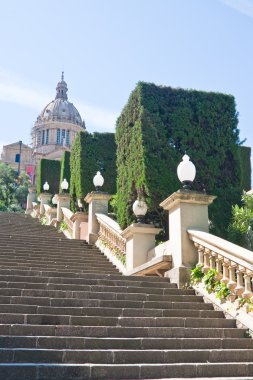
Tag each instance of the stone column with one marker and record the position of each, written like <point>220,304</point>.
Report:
<point>187,210</point>
<point>31,197</point>
<point>62,200</point>
<point>44,200</point>
<point>140,238</point>
<point>77,219</point>
<point>98,204</point>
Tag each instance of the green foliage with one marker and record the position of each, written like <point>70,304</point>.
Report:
<point>13,189</point>
<point>62,226</point>
<point>91,153</point>
<point>241,227</point>
<point>155,129</point>
<point>197,274</point>
<point>222,291</point>
<point>245,165</point>
<point>44,220</point>
<point>48,170</point>
<point>210,280</point>
<point>65,169</point>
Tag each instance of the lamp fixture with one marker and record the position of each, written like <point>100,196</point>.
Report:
<point>140,209</point>
<point>98,181</point>
<point>186,172</point>
<point>46,186</point>
<point>64,185</point>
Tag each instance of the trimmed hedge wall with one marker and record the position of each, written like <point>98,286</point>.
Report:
<point>48,170</point>
<point>65,170</point>
<point>91,153</point>
<point>154,130</point>
<point>245,165</point>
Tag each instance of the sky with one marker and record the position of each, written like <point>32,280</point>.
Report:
<point>105,47</point>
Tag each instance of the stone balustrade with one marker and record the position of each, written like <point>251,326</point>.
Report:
<point>109,235</point>
<point>67,218</point>
<point>233,264</point>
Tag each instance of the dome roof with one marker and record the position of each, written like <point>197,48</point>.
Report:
<point>60,109</point>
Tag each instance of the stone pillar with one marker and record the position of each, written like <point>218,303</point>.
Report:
<point>98,204</point>
<point>31,197</point>
<point>77,219</point>
<point>187,210</point>
<point>62,200</point>
<point>140,238</point>
<point>44,200</point>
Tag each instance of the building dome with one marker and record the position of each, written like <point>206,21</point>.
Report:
<point>57,125</point>
<point>60,109</point>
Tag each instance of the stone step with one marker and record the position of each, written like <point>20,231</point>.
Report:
<point>53,342</point>
<point>109,312</point>
<point>66,258</point>
<point>62,268</point>
<point>26,355</point>
<point>96,288</point>
<point>74,302</point>
<point>123,332</point>
<point>99,295</point>
<point>39,371</point>
<point>73,320</point>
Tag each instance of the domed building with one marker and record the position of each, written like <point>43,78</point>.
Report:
<point>57,126</point>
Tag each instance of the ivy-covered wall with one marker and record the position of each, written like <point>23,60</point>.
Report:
<point>65,170</point>
<point>48,170</point>
<point>91,153</point>
<point>154,130</point>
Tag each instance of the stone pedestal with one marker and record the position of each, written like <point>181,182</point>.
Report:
<point>62,200</point>
<point>98,204</point>
<point>77,219</point>
<point>140,238</point>
<point>31,197</point>
<point>187,210</point>
<point>44,200</point>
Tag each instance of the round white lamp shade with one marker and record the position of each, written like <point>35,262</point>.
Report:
<point>46,186</point>
<point>186,171</point>
<point>140,209</point>
<point>98,180</point>
<point>64,184</point>
<point>54,200</point>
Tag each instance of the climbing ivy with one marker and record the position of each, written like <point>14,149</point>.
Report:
<point>154,130</point>
<point>48,170</point>
<point>91,153</point>
<point>65,169</point>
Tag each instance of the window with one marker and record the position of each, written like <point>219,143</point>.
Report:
<point>43,137</point>
<point>39,138</point>
<point>67,138</point>
<point>47,136</point>
<point>17,158</point>
<point>63,142</point>
<point>58,136</point>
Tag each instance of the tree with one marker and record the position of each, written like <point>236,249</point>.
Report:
<point>241,227</point>
<point>13,189</point>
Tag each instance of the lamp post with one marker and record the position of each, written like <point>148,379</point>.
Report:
<point>64,185</point>
<point>80,205</point>
<point>98,181</point>
<point>46,186</point>
<point>186,172</point>
<point>140,209</point>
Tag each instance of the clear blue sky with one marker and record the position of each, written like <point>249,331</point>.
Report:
<point>106,46</point>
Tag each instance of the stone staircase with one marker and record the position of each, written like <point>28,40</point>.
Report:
<point>66,313</point>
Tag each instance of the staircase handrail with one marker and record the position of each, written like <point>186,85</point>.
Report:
<point>110,233</point>
<point>67,215</point>
<point>234,264</point>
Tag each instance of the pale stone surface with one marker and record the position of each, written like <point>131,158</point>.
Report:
<point>31,197</point>
<point>187,210</point>
<point>77,219</point>
<point>140,238</point>
<point>44,199</point>
<point>63,200</point>
<point>98,204</point>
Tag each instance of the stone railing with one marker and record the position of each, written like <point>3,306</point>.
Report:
<point>67,219</point>
<point>110,240</point>
<point>35,210</point>
<point>50,213</point>
<point>233,264</point>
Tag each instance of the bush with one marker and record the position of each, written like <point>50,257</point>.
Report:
<point>48,170</point>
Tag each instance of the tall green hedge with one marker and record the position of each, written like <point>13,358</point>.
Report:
<point>48,170</point>
<point>65,169</point>
<point>91,153</point>
<point>245,165</point>
<point>154,130</point>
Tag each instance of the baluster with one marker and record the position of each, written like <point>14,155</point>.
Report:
<point>212,260</point>
<point>200,253</point>
<point>225,266</point>
<point>206,260</point>
<point>232,279</point>
<point>219,270</point>
<point>239,289</point>
<point>247,285</point>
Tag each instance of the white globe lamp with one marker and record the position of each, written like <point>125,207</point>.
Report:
<point>98,181</point>
<point>186,172</point>
<point>46,186</point>
<point>64,185</point>
<point>140,209</point>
